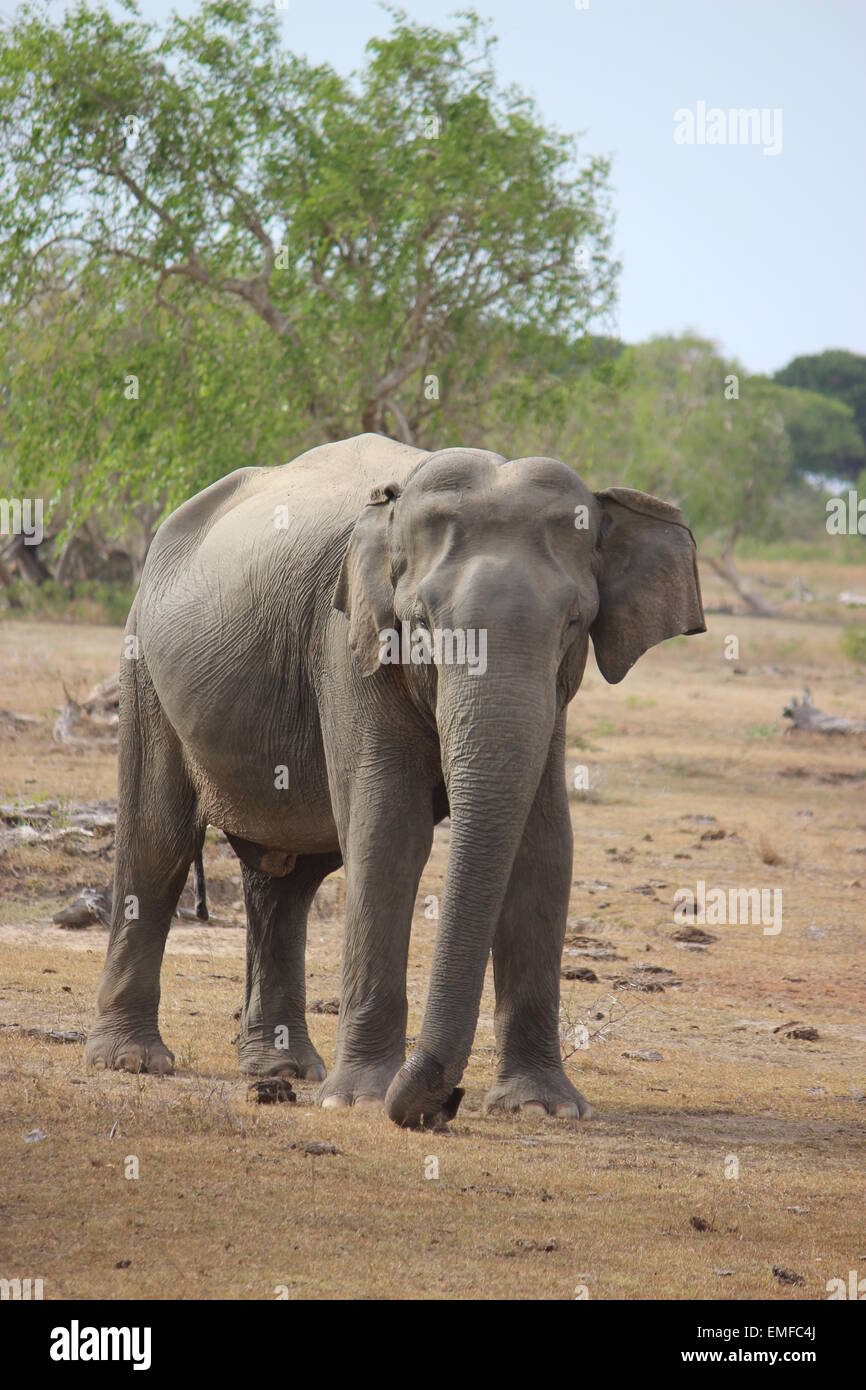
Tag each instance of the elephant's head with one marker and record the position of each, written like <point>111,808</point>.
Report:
<point>512,566</point>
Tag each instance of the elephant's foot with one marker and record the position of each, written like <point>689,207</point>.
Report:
<point>360,1084</point>
<point>121,1046</point>
<point>421,1093</point>
<point>258,1056</point>
<point>546,1092</point>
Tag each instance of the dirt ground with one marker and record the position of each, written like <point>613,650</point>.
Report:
<point>731,1150</point>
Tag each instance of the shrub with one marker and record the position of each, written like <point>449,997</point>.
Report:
<point>854,643</point>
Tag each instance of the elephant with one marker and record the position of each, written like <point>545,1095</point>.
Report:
<point>267,689</point>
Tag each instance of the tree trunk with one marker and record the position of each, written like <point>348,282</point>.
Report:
<point>25,559</point>
<point>725,568</point>
<point>6,581</point>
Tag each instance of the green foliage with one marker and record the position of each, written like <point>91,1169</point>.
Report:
<point>278,254</point>
<point>837,374</point>
<point>656,417</point>
<point>209,399</point>
<point>823,433</point>
<point>854,644</point>
<point>813,547</point>
<point>88,601</point>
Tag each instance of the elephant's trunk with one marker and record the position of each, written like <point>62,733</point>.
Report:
<point>494,736</point>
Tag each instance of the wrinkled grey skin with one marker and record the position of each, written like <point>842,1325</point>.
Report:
<point>259,650</point>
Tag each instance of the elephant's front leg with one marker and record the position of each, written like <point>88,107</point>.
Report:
<point>274,1035</point>
<point>527,954</point>
<point>386,842</point>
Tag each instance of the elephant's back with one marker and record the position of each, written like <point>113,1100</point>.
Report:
<point>335,480</point>
<point>239,583</point>
<point>327,486</point>
<point>285,529</point>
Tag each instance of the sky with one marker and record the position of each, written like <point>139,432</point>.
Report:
<point>763,253</point>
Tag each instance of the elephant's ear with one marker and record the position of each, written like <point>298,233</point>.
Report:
<point>647,577</point>
<point>364,591</point>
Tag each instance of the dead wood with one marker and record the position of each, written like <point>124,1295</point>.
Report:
<point>77,728</point>
<point>805,717</point>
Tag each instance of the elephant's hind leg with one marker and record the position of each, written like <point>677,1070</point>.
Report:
<point>158,835</point>
<point>274,1035</point>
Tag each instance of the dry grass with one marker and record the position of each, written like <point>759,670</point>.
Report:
<point>226,1207</point>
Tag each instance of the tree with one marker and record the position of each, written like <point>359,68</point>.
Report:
<point>840,376</point>
<point>673,417</point>
<point>120,407</point>
<point>274,251</point>
<point>823,434</point>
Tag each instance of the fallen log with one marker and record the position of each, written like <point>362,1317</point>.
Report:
<point>103,699</point>
<point>806,718</point>
<point>78,729</point>
<point>92,721</point>
<point>92,815</point>
<point>11,722</point>
<point>92,906</point>
<point>83,819</point>
<point>29,835</point>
